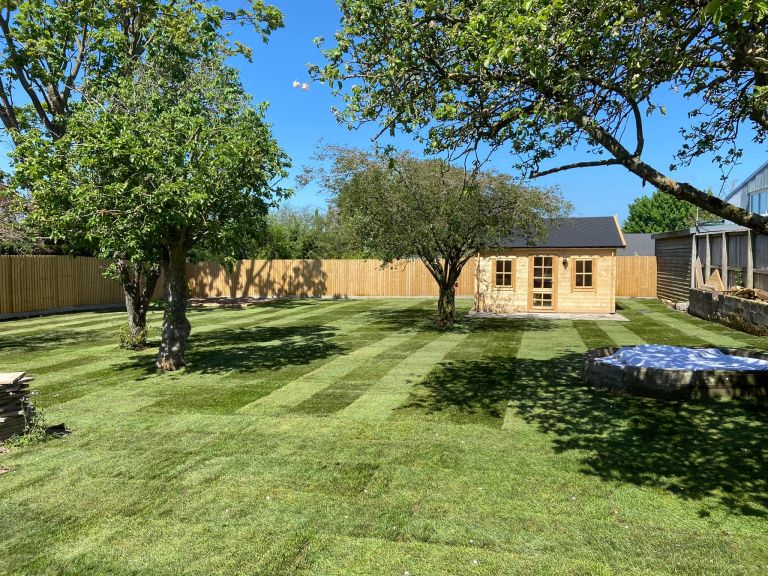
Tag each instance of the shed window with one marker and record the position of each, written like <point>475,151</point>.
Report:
<point>504,276</point>
<point>583,274</point>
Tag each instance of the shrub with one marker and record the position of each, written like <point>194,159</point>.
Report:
<point>132,340</point>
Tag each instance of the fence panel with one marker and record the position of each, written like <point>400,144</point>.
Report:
<point>37,283</point>
<point>636,276</point>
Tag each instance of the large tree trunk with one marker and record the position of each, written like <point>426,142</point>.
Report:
<point>138,280</point>
<point>176,327</point>
<point>446,306</point>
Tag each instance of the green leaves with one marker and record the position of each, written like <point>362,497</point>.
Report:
<point>398,206</point>
<point>156,161</point>
<point>661,213</point>
<point>53,50</point>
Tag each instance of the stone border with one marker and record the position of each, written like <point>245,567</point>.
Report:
<point>676,384</point>
<point>746,315</point>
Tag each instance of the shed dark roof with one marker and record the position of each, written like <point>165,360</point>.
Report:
<point>586,232</point>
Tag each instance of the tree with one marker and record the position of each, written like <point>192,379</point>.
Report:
<point>57,50</point>
<point>662,213</point>
<point>540,76</point>
<point>293,233</point>
<point>399,207</point>
<point>156,167</point>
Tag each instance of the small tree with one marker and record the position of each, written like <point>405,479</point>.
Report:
<point>169,161</point>
<point>400,207</point>
<point>662,213</point>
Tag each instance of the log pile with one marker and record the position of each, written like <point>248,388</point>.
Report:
<point>14,396</point>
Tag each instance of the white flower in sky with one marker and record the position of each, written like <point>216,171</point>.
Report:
<point>296,83</point>
<point>305,86</point>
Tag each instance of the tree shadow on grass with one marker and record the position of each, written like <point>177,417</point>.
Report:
<point>425,319</point>
<point>249,350</point>
<point>696,450</point>
<point>52,340</point>
<point>260,348</point>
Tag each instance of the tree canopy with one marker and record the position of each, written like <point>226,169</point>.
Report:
<point>52,49</point>
<point>304,233</point>
<point>540,76</point>
<point>662,213</point>
<point>399,206</point>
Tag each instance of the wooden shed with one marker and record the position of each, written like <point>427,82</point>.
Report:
<point>572,270</point>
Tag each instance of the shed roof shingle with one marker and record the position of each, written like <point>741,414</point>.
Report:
<point>582,232</point>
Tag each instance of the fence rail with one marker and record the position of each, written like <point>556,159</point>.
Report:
<point>39,283</point>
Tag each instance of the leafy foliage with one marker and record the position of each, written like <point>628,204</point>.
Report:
<point>540,76</point>
<point>53,49</point>
<point>296,233</point>
<point>662,213</point>
<point>158,160</point>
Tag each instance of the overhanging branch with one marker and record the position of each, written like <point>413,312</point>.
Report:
<point>607,162</point>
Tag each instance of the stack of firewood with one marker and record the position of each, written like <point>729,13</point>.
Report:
<point>14,403</point>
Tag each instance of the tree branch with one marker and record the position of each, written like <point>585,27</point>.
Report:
<point>588,164</point>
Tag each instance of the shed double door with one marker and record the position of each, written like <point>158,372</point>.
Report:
<point>542,292</point>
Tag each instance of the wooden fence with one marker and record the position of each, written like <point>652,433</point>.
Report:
<point>636,276</point>
<point>38,283</point>
<point>30,283</point>
<point>319,279</point>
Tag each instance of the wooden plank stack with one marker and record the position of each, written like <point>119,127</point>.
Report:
<point>14,393</point>
<point>750,294</point>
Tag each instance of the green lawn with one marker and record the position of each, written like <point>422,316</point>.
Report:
<point>318,437</point>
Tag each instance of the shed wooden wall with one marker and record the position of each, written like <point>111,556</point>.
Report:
<point>602,299</point>
<point>673,262</point>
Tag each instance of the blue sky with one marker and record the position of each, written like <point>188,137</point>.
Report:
<point>301,119</point>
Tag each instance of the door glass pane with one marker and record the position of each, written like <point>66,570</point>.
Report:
<point>542,300</point>
<point>542,282</point>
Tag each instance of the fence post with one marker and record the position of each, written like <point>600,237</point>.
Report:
<point>750,279</point>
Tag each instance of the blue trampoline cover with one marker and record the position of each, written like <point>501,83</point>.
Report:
<point>679,358</point>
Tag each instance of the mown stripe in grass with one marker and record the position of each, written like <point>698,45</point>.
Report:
<point>354,384</point>
<point>650,329</point>
<point>723,334</point>
<point>547,359</point>
<point>592,334</point>
<point>62,361</point>
<point>248,364</point>
<point>473,383</point>
<point>620,335</point>
<point>393,389</point>
<point>704,333</point>
<point>303,387</point>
